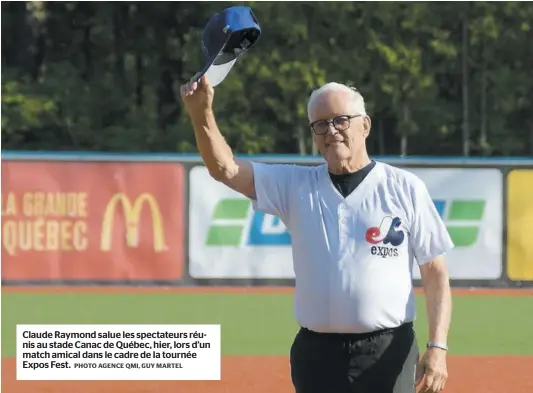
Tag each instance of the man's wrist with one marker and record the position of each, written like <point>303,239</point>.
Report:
<point>203,115</point>
<point>204,119</point>
<point>439,345</point>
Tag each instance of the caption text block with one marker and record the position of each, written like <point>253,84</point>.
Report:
<point>118,352</point>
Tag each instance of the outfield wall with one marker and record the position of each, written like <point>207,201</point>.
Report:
<point>78,218</point>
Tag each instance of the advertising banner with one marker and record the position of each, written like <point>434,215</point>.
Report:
<point>92,221</point>
<point>228,239</point>
<point>470,203</point>
<point>520,225</point>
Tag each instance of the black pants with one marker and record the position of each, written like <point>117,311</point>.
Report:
<point>377,362</point>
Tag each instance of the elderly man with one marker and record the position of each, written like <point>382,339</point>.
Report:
<point>357,225</point>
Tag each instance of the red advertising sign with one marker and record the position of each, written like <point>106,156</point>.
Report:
<point>92,221</point>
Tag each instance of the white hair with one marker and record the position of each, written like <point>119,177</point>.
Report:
<point>357,100</point>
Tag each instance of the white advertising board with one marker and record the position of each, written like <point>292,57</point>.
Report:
<point>228,239</point>
<point>470,203</point>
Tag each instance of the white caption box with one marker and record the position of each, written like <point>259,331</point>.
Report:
<point>118,352</point>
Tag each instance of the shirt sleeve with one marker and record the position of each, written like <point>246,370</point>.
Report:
<point>272,185</point>
<point>429,235</point>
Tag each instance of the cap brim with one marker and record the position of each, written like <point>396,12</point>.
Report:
<point>217,73</point>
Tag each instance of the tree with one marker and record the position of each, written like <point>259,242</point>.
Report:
<point>105,76</point>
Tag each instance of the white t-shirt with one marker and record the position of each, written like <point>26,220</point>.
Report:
<point>353,256</point>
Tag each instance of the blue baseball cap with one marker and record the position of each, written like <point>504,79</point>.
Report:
<point>225,37</point>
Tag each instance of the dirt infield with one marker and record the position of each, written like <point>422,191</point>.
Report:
<point>218,289</point>
<point>468,374</point>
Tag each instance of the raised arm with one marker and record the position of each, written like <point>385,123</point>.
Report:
<point>215,151</point>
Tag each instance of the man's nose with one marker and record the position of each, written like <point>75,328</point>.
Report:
<point>331,129</point>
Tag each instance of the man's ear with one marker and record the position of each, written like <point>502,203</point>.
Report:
<point>367,125</point>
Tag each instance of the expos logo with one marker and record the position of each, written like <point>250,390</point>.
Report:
<point>388,233</point>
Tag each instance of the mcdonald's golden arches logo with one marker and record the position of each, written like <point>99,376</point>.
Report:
<point>132,214</point>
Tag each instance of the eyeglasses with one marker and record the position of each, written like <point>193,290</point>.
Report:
<point>340,123</point>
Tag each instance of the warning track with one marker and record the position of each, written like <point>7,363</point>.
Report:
<point>227,289</point>
<point>467,374</point>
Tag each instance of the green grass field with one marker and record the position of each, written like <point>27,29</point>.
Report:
<point>263,324</point>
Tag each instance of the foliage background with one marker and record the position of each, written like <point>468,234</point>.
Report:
<point>439,78</point>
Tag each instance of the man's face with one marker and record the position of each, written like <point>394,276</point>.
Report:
<point>338,144</point>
